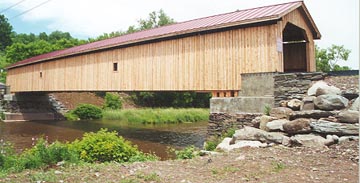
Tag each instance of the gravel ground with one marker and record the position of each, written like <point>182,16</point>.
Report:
<point>339,163</point>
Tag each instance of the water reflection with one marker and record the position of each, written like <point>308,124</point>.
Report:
<point>148,137</point>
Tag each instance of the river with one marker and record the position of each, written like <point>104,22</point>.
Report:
<point>154,138</point>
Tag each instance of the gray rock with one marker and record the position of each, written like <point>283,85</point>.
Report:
<point>341,129</point>
<point>310,140</point>
<point>280,112</point>
<point>308,103</point>
<point>347,139</point>
<point>250,133</point>
<point>264,120</point>
<point>276,125</point>
<point>355,105</point>
<point>331,102</point>
<point>297,126</point>
<point>295,104</point>
<point>225,145</point>
<point>314,114</point>
<point>322,88</point>
<point>349,116</point>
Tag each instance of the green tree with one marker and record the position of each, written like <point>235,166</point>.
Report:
<point>155,19</point>
<point>5,33</point>
<point>327,59</point>
<point>28,45</point>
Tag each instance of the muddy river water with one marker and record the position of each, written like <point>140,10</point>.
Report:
<point>148,137</point>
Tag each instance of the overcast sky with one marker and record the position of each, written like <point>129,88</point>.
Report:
<point>337,20</point>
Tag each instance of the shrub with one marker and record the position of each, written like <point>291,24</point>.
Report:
<point>70,116</point>
<point>187,153</point>
<point>105,146</point>
<point>88,111</point>
<point>41,155</point>
<point>211,145</point>
<point>112,101</point>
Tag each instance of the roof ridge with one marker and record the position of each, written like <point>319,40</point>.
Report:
<point>200,18</point>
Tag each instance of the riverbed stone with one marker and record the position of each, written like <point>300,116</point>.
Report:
<point>250,133</point>
<point>295,104</point>
<point>311,140</point>
<point>341,129</point>
<point>322,88</point>
<point>349,116</point>
<point>264,119</point>
<point>280,112</point>
<point>308,103</point>
<point>297,126</point>
<point>331,102</point>
<point>226,145</point>
<point>276,125</point>
<point>355,105</point>
<point>314,114</point>
<point>344,139</point>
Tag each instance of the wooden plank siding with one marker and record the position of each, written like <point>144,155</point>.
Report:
<point>203,62</point>
<point>296,17</point>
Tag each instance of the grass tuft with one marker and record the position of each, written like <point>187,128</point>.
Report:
<point>158,115</point>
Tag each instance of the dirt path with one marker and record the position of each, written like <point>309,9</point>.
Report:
<point>338,163</point>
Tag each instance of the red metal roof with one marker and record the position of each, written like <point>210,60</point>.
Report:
<point>207,23</point>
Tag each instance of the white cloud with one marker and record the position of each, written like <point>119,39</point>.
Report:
<point>337,20</point>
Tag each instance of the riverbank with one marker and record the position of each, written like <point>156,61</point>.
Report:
<point>274,164</point>
<point>158,115</point>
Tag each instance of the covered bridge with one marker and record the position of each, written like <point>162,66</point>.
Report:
<point>206,54</point>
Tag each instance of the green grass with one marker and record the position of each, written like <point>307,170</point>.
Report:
<point>158,115</point>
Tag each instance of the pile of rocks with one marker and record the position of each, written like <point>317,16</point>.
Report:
<point>322,118</point>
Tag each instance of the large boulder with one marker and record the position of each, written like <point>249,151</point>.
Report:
<point>331,102</point>
<point>294,104</point>
<point>322,88</point>
<point>297,126</point>
<point>226,145</point>
<point>314,114</point>
<point>349,116</point>
<point>355,105</point>
<point>310,140</point>
<point>341,129</point>
<point>276,125</point>
<point>280,112</point>
<point>250,133</point>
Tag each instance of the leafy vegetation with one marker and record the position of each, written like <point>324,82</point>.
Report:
<point>41,155</point>
<point>172,99</point>
<point>112,101</point>
<point>267,109</point>
<point>105,146</point>
<point>102,146</point>
<point>186,153</point>
<point>327,59</point>
<point>5,32</point>
<point>88,111</point>
<point>155,19</point>
<point>159,115</point>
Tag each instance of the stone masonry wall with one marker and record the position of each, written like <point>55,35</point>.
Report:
<point>220,122</point>
<point>294,85</point>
